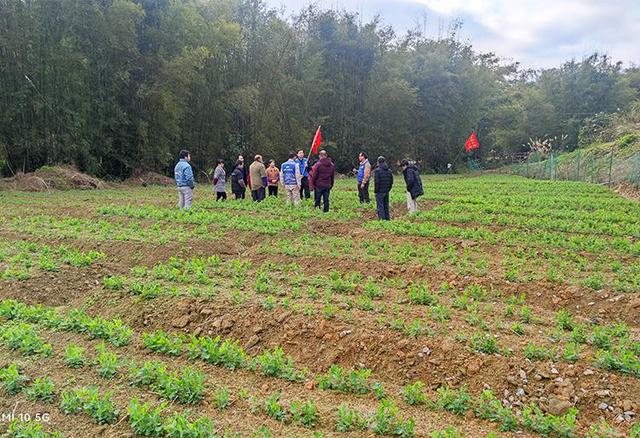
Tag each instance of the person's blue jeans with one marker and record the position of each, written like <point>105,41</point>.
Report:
<point>322,195</point>
<point>382,205</point>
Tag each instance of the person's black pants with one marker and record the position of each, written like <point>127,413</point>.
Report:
<point>221,195</point>
<point>273,190</point>
<point>258,195</point>
<point>363,193</point>
<point>382,205</point>
<point>305,193</point>
<point>322,195</point>
<point>239,195</point>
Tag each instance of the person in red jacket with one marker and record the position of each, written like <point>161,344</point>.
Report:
<point>322,178</point>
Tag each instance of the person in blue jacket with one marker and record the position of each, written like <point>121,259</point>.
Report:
<point>305,192</point>
<point>290,178</point>
<point>184,180</point>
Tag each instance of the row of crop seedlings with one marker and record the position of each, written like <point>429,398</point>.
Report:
<point>270,363</point>
<point>276,364</point>
<point>19,259</point>
<point>188,387</point>
<point>144,420</point>
<point>621,358</point>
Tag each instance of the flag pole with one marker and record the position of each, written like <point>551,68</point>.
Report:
<point>312,141</point>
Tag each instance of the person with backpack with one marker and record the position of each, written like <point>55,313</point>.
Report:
<point>220,181</point>
<point>382,184</point>
<point>322,179</point>
<point>183,174</point>
<point>413,183</point>
<point>291,178</point>
<point>238,183</point>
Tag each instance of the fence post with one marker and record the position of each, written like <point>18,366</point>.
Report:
<point>610,166</point>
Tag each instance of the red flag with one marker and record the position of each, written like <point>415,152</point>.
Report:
<point>472,142</point>
<point>317,140</point>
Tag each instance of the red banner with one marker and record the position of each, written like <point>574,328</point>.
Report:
<point>317,140</point>
<point>472,142</point>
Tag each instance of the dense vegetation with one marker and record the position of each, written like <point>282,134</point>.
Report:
<point>113,85</point>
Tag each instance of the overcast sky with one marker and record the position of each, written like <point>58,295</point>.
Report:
<point>537,33</point>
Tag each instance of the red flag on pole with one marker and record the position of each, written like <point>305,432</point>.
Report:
<point>317,140</point>
<point>472,142</point>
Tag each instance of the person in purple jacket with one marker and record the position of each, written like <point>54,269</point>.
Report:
<point>322,178</point>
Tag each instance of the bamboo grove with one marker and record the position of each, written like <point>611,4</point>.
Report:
<point>115,85</point>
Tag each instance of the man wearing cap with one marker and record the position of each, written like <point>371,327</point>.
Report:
<point>382,183</point>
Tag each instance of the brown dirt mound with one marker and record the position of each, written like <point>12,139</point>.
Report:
<point>147,178</point>
<point>49,178</point>
<point>628,191</point>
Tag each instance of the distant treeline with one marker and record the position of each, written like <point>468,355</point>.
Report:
<point>116,85</point>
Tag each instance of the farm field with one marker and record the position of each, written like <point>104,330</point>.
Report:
<point>505,307</point>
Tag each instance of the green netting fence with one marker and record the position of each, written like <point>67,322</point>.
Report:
<point>594,166</point>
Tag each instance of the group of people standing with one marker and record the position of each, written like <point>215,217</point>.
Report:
<point>383,182</point>
<point>299,178</point>
<point>296,176</point>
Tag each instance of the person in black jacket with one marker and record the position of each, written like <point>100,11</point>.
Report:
<point>414,184</point>
<point>382,183</point>
<point>238,181</point>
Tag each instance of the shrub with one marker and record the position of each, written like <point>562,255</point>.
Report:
<point>273,408</point>
<point>145,419</point>
<point>572,352</point>
<point>161,342</point>
<point>216,352</point>
<point>387,421</point>
<point>484,343</point>
<point>147,374</point>
<point>537,352</point>
<point>74,356</point>
<point>12,379</point>
<point>456,401</point>
<point>222,398</point>
<point>29,429</point>
<point>108,362</point>
<point>564,320</point>
<point>421,294</point>
<point>349,420</point>
<point>24,338</point>
<point>42,389</point>
<point>621,359</point>
<point>185,388</point>
<point>355,381</point>
<point>88,400</point>
<point>305,413</point>
<point>101,408</point>
<point>449,432</point>
<point>546,424</point>
<point>414,394</point>
<point>277,364</point>
<point>113,282</point>
<point>488,407</point>
<point>179,426</point>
